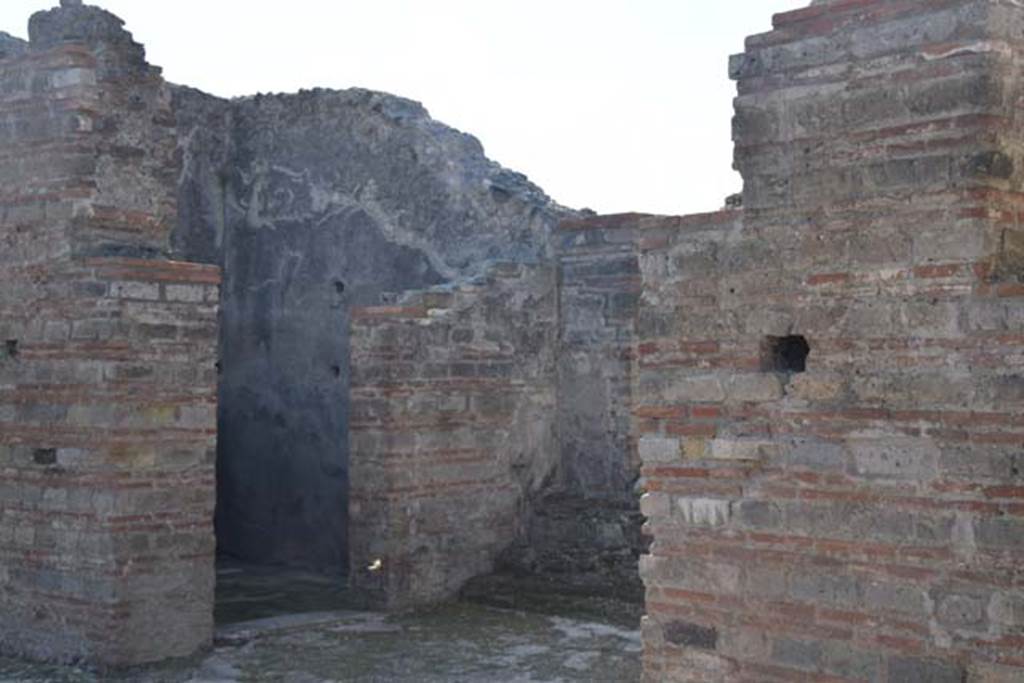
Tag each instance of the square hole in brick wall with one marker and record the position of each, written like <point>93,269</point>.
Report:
<point>44,456</point>
<point>785,354</point>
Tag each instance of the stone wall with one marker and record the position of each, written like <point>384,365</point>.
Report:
<point>583,532</point>
<point>453,430</point>
<point>315,203</point>
<point>599,285</point>
<point>853,514</point>
<point>107,396</point>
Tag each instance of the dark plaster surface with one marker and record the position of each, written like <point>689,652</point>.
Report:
<point>314,203</point>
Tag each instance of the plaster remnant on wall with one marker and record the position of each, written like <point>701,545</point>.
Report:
<point>705,511</point>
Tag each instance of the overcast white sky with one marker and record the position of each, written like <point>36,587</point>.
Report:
<point>616,105</point>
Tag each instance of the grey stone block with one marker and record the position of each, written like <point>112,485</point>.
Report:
<point>920,670</point>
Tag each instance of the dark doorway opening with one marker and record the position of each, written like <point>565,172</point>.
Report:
<point>283,419</point>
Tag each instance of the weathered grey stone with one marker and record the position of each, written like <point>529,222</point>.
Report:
<point>757,514</point>
<point>893,456</point>
<point>659,450</point>
<point>920,670</point>
<point>10,46</point>
<point>958,610</point>
<point>815,586</point>
<point>749,450</point>
<point>890,596</point>
<point>798,654</point>
<point>848,661</point>
<point>1000,533</point>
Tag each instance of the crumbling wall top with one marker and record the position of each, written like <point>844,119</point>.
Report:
<point>11,46</point>
<point>74,21</point>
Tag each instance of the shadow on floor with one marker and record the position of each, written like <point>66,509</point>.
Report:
<point>246,592</point>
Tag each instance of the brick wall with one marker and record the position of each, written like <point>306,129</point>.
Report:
<point>452,428</point>
<point>107,379</point>
<point>860,520</point>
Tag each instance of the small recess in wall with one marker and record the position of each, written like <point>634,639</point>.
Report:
<point>11,348</point>
<point>785,354</point>
<point>44,456</point>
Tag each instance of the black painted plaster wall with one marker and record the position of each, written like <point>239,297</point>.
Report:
<point>313,203</point>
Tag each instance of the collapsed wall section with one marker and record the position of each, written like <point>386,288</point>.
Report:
<point>107,385</point>
<point>831,425</point>
<point>453,428</point>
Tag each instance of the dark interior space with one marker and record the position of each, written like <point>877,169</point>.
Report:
<point>249,592</point>
<point>785,354</point>
<point>283,442</point>
<point>283,445</point>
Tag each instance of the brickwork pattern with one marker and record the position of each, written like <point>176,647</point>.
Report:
<point>107,363</point>
<point>452,429</point>
<point>861,520</point>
